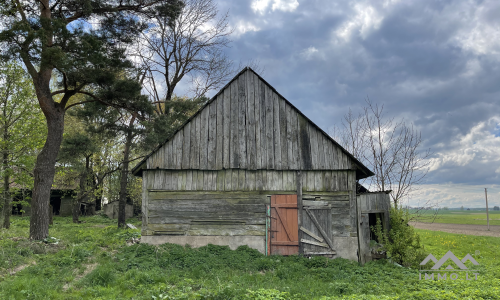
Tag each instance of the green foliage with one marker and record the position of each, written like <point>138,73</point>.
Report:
<point>215,272</point>
<point>402,243</point>
<point>22,130</point>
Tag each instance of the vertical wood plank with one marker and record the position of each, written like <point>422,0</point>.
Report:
<point>186,146</point>
<point>220,180</point>
<point>189,180</point>
<point>169,162</point>
<point>212,135</point>
<point>194,180</point>
<point>269,128</point>
<point>204,138</point>
<point>277,132</point>
<point>304,143</point>
<point>313,133</point>
<point>242,122</point>
<point>180,143</point>
<point>226,140</point>
<point>283,135</point>
<point>321,151</point>
<point>258,123</point>
<point>263,125</point>
<point>265,181</point>
<point>201,182</point>
<point>234,150</point>
<point>251,136</point>
<point>228,180</point>
<point>220,132</point>
<point>173,160</point>
<point>295,139</point>
<point>328,154</point>
<point>251,177</point>
<point>318,181</point>
<point>207,180</point>
<point>299,208</point>
<point>234,181</point>
<point>198,142</point>
<point>259,186</point>
<point>193,145</point>
<point>289,139</point>
<point>145,200</point>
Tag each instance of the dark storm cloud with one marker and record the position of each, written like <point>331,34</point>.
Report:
<point>434,63</point>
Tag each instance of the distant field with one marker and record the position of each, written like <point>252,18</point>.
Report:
<point>472,217</point>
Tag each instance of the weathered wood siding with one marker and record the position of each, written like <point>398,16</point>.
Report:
<point>371,203</point>
<point>248,180</point>
<point>232,202</point>
<point>249,126</point>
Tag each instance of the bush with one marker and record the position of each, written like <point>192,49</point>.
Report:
<point>402,243</point>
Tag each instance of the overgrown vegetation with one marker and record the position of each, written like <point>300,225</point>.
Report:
<point>401,242</point>
<point>91,261</point>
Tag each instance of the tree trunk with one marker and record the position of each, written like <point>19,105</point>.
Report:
<point>44,173</point>
<point>83,194</point>
<point>7,205</point>
<point>123,181</point>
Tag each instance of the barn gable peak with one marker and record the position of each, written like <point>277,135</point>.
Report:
<point>249,125</point>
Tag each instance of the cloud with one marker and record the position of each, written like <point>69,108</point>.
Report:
<point>363,22</point>
<point>455,195</point>
<point>433,63</point>
<point>261,6</point>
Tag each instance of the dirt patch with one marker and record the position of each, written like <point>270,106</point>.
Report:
<point>88,269</point>
<point>21,267</point>
<point>460,228</point>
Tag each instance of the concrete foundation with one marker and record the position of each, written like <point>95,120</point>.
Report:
<point>255,242</point>
<point>346,247</point>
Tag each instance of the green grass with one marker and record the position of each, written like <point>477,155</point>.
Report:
<point>460,217</point>
<point>216,272</point>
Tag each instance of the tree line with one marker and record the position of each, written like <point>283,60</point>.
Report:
<point>104,74</point>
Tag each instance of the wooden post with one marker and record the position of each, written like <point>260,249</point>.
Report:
<point>299,210</point>
<point>487,213</point>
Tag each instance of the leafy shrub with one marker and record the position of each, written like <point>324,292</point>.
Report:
<point>266,294</point>
<point>402,243</point>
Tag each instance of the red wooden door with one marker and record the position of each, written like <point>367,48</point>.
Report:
<point>284,231</point>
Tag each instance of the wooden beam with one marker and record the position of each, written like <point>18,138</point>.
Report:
<point>320,253</point>
<point>312,235</point>
<point>299,206</point>
<point>313,243</point>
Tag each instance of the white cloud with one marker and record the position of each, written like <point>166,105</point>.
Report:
<point>456,195</point>
<point>241,27</point>
<point>479,145</point>
<point>261,6</point>
<point>365,20</point>
<point>482,35</point>
<point>309,53</point>
<point>285,5</point>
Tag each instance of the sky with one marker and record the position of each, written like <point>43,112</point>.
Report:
<point>434,63</point>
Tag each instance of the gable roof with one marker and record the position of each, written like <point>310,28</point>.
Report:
<point>249,125</point>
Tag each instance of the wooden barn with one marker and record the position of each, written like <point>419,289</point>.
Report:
<point>250,169</point>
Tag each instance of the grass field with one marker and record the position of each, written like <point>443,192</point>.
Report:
<point>460,217</point>
<point>91,261</point>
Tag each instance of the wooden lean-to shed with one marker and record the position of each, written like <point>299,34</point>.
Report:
<point>250,169</point>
